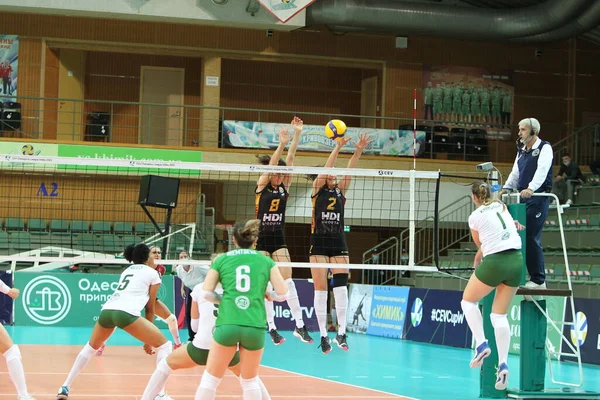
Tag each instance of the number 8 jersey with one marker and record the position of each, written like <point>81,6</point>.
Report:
<point>270,206</point>
<point>132,293</point>
<point>244,275</point>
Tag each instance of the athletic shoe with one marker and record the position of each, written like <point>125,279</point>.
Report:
<point>100,350</point>
<point>533,285</point>
<point>302,334</point>
<point>176,346</point>
<point>63,394</point>
<point>341,341</point>
<point>483,350</point>
<point>276,337</point>
<point>163,396</point>
<point>325,345</point>
<point>502,374</point>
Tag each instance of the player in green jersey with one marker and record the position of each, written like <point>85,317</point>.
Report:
<point>244,274</point>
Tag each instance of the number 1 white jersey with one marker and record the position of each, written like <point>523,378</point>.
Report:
<point>496,227</point>
<point>132,294</point>
<point>208,318</point>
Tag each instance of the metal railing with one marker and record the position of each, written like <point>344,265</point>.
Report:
<point>385,253</point>
<point>583,145</point>
<point>199,126</point>
<point>450,232</point>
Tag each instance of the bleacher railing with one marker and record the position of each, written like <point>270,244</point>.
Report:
<point>198,126</point>
<point>583,146</point>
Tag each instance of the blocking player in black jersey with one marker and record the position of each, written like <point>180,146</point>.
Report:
<point>328,242</point>
<point>271,199</point>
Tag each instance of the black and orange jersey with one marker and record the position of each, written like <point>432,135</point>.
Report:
<point>270,206</point>
<point>328,212</point>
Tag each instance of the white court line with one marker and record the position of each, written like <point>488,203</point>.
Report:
<point>343,383</point>
<point>221,396</point>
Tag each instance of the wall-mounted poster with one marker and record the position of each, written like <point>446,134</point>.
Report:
<point>469,97</point>
<point>9,66</point>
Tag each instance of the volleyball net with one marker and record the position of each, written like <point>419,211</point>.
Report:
<point>62,212</point>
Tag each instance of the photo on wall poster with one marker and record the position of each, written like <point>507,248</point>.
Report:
<point>466,97</point>
<point>9,66</point>
<point>359,308</point>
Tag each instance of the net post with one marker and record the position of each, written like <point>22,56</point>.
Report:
<point>436,223</point>
<point>411,218</point>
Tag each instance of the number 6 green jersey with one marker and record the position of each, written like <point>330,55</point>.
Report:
<point>244,274</point>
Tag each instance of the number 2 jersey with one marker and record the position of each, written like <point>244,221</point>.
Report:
<point>208,318</point>
<point>244,275</point>
<point>328,212</point>
<point>132,293</point>
<point>270,206</point>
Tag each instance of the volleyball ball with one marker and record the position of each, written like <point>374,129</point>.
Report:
<point>27,150</point>
<point>335,129</point>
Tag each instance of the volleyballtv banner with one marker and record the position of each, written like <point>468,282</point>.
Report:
<point>262,135</point>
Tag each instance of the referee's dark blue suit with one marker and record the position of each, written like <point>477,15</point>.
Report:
<point>532,173</point>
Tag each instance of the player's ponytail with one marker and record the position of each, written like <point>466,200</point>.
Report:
<point>137,254</point>
<point>246,233</point>
<point>482,191</point>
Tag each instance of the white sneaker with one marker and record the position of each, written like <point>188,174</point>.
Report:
<point>533,285</point>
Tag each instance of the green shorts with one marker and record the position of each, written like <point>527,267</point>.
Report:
<point>112,318</point>
<point>505,267</point>
<point>200,356</point>
<point>248,337</point>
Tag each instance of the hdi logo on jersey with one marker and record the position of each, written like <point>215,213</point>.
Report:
<point>272,218</point>
<point>330,216</point>
<point>46,300</point>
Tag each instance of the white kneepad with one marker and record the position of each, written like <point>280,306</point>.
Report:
<point>250,384</point>
<point>13,353</point>
<point>499,320</point>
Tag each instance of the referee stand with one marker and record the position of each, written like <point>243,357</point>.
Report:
<point>534,324</point>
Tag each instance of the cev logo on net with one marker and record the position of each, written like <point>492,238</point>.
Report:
<point>46,300</point>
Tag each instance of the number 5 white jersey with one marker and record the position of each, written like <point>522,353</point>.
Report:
<point>132,294</point>
<point>496,228</point>
<point>208,318</point>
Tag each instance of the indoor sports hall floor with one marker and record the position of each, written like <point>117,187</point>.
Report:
<point>374,368</point>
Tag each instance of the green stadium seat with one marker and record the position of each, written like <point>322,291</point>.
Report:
<point>35,225</point>
<point>59,226</point>
<point>101,226</point>
<point>13,224</point>
<point>80,226</point>
<point>123,228</point>
<point>20,241</point>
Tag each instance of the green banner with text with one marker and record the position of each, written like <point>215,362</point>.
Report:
<point>71,299</point>
<point>555,307</point>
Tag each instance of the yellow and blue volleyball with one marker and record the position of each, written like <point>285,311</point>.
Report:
<point>335,129</point>
<point>27,150</point>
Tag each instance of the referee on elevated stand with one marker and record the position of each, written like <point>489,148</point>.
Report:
<point>532,173</point>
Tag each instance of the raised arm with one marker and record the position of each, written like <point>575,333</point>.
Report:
<point>297,125</point>
<point>322,178</point>
<point>284,139</point>
<point>363,143</point>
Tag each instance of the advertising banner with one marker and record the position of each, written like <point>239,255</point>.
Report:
<point>9,66</point>
<point>436,317</point>
<point>99,152</point>
<point>388,311</point>
<point>587,324</point>
<point>555,307</point>
<point>284,320</point>
<point>71,299</point>
<point>262,135</point>
<point>359,308</point>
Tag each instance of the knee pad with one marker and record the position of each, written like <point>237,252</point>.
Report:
<point>163,366</point>
<point>468,305</point>
<point>251,384</point>
<point>499,320</point>
<point>340,280</point>
<point>13,353</point>
<point>171,319</point>
<point>209,382</point>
